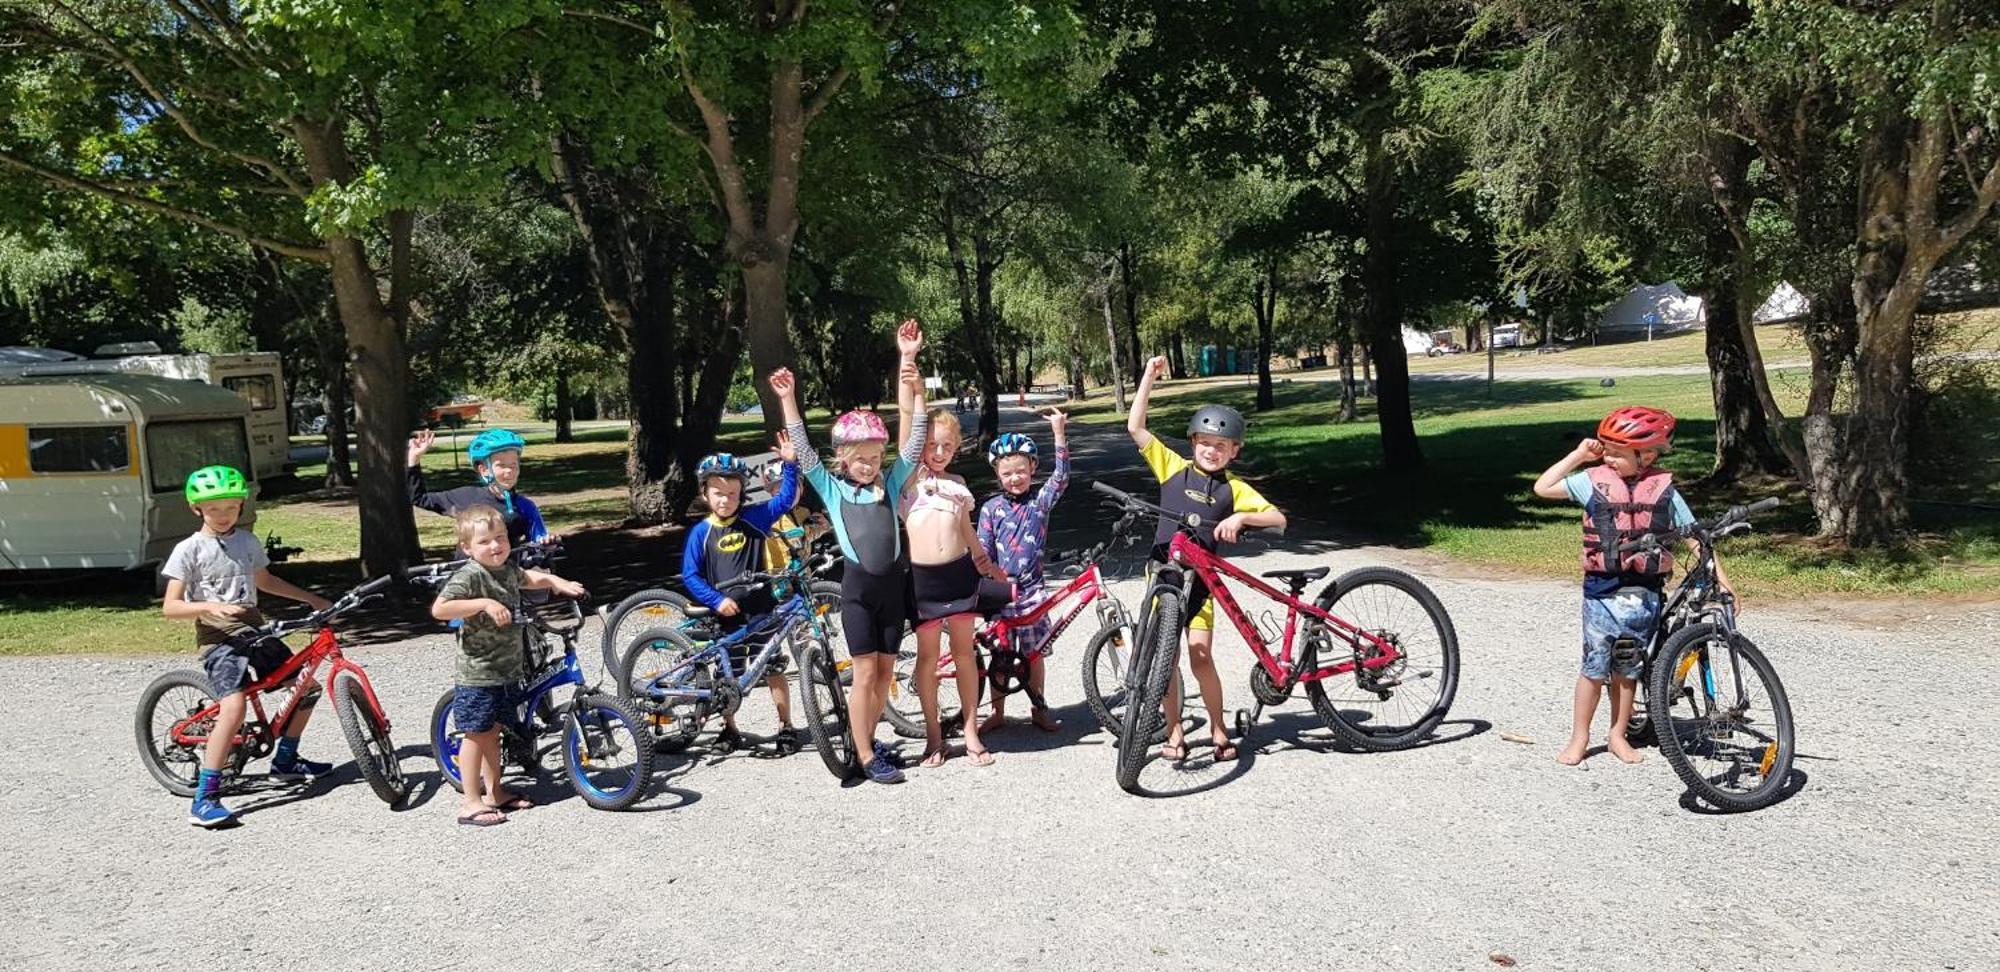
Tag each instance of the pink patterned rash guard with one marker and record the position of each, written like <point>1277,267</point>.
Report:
<point>1015,533</point>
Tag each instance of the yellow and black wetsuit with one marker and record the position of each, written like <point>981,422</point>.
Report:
<point>1214,497</point>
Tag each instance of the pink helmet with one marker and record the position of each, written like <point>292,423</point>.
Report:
<point>859,425</point>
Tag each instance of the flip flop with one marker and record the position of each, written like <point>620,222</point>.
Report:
<point>488,817</point>
<point>983,757</point>
<point>1173,753</point>
<point>1225,752</point>
<point>936,758</point>
<point>513,803</point>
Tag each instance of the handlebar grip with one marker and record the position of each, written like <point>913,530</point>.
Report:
<point>374,585</point>
<point>1110,490</point>
<point>1766,504</point>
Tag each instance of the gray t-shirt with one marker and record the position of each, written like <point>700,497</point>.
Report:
<point>222,569</point>
<point>487,653</point>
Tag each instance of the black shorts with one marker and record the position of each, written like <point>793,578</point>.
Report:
<point>947,590</point>
<point>232,666</point>
<point>873,608</point>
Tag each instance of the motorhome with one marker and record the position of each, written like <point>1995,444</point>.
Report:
<point>92,466</point>
<point>257,376</point>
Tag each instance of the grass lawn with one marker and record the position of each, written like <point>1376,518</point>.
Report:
<point>1473,502</point>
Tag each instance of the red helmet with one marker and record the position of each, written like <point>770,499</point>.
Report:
<point>1638,427</point>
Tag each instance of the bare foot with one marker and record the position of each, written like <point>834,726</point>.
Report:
<point>1572,754</point>
<point>995,721</point>
<point>1046,722</point>
<point>1623,750</point>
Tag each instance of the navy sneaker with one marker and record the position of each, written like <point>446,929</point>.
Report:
<point>210,814</point>
<point>888,754</point>
<point>300,768</point>
<point>882,771</point>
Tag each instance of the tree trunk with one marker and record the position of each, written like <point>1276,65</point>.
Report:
<point>1078,380</point>
<point>1177,355</point>
<point>1367,373</point>
<point>563,401</point>
<point>975,310</point>
<point>1135,353</point>
<point>1746,437</point>
<point>1345,349</point>
<point>1111,342</point>
<point>766,322</point>
<point>334,395</point>
<point>1264,298</point>
<point>704,418</point>
<point>1382,312</point>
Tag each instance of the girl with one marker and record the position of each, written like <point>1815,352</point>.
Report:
<point>860,506</point>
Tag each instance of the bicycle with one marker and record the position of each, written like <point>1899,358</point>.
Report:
<point>1003,656</point>
<point>1364,697</point>
<point>1710,729</point>
<point>664,607</point>
<point>596,728</point>
<point>178,710</point>
<point>679,684</point>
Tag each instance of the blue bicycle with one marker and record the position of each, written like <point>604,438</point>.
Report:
<point>682,674</point>
<point>606,753</point>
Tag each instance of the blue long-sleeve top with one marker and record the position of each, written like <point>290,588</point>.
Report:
<point>721,550</point>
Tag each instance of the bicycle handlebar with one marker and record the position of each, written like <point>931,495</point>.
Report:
<point>1734,516</point>
<point>341,605</point>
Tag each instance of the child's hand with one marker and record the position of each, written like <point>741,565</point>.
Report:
<point>728,608</point>
<point>1058,423</point>
<point>1230,528</point>
<point>317,602</point>
<point>420,444</point>
<point>1157,368</point>
<point>498,612</point>
<point>568,588</point>
<point>228,612</point>
<point>909,338</point>
<point>1590,449</point>
<point>783,383</point>
<point>783,447</point>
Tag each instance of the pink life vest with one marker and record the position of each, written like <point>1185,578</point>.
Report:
<point>1620,513</point>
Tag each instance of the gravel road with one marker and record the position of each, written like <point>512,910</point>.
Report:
<point>1450,856</point>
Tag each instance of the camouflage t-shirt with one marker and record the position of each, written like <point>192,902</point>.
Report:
<point>487,653</point>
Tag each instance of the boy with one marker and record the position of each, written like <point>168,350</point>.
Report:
<point>1227,506</point>
<point>1013,529</point>
<point>212,579</point>
<point>484,594</point>
<point>1623,497</point>
<point>496,458</point>
<point>720,550</point>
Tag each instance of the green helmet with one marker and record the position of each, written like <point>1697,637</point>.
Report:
<point>216,483</point>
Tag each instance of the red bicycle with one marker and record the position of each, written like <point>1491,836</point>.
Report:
<point>1005,645</point>
<point>1376,651</point>
<point>178,710</point>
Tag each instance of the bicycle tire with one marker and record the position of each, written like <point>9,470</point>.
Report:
<point>1108,708</point>
<point>653,651</point>
<point>175,767</point>
<point>905,711</point>
<point>374,752</point>
<point>1691,731</point>
<point>444,743</point>
<point>659,607</point>
<point>825,704</point>
<point>609,718</point>
<point>1158,661</point>
<point>1369,730</point>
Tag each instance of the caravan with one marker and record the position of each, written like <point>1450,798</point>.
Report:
<point>92,465</point>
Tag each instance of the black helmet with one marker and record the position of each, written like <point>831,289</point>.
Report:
<point>1220,420</point>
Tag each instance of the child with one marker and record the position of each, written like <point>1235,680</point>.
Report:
<point>720,550</point>
<point>212,579</point>
<point>1623,497</point>
<point>1013,529</point>
<point>496,458</point>
<point>484,594</point>
<point>946,566</point>
<point>777,547</point>
<point>860,504</point>
<point>1227,506</point>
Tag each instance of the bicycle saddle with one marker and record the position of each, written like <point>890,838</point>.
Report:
<point>1298,579</point>
<point>697,611</point>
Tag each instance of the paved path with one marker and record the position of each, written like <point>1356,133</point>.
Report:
<point>1298,856</point>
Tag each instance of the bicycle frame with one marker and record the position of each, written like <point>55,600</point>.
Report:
<point>1085,588</point>
<point>325,647</point>
<point>1285,668</point>
<point>795,611</point>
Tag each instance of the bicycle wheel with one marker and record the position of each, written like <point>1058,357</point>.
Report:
<point>1147,680</point>
<point>905,710</point>
<point>825,702</point>
<point>444,741</point>
<point>368,738</point>
<point>606,751</point>
<point>168,700</point>
<point>1398,705</point>
<point>1722,718</point>
<point>652,608</point>
<point>1105,660</point>
<point>654,664</point>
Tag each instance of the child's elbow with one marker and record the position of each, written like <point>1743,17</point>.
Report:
<point>438,611</point>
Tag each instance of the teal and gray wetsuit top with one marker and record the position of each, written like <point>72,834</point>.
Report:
<point>864,517</point>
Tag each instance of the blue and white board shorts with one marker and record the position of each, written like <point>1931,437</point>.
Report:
<point>1629,612</point>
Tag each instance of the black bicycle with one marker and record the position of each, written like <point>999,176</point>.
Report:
<point>1712,700</point>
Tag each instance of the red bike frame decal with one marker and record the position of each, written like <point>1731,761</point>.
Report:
<point>1211,568</point>
<point>323,646</point>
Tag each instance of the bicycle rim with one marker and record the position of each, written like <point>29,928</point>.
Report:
<point>604,751</point>
<point>1722,719</point>
<point>1394,705</point>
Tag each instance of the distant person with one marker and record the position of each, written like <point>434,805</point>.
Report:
<point>1624,496</point>
<point>212,579</point>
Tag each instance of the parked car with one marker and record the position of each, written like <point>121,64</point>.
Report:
<point>1442,344</point>
<point>1507,336</point>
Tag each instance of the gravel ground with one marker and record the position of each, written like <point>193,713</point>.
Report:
<point>1449,856</point>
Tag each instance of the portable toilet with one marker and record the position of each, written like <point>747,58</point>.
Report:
<point>1206,366</point>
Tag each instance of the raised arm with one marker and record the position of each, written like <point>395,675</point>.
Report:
<point>786,388</point>
<point>909,394</point>
<point>1550,484</point>
<point>1052,487</point>
<point>1135,421</point>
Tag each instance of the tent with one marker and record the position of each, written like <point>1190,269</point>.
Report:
<point>1784,304</point>
<point>1662,308</point>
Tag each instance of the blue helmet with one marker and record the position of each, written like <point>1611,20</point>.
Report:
<point>1011,444</point>
<point>486,443</point>
<point>724,464</point>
